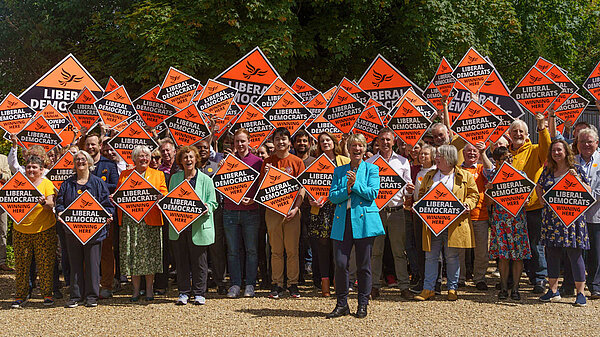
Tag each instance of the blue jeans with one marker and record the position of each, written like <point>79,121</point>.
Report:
<point>535,267</point>
<point>241,226</point>
<point>432,258</point>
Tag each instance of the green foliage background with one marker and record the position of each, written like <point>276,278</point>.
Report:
<point>319,40</point>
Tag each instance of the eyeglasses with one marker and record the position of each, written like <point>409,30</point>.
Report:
<point>81,160</point>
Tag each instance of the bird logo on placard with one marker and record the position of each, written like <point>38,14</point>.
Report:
<point>252,70</point>
<point>135,183</point>
<point>379,78</point>
<point>382,169</point>
<point>251,115</point>
<point>569,184</point>
<point>323,167</point>
<point>440,194</point>
<point>67,78</point>
<point>489,82</point>
<point>443,67</point>
<point>554,76</point>
<point>278,89</point>
<point>11,103</point>
<point>19,183</point>
<point>189,114</point>
<point>184,193</point>
<point>405,111</point>
<point>472,112</point>
<point>134,132</point>
<point>68,162</point>
<point>533,79</point>
<point>471,59</point>
<point>174,78</point>
<point>300,87</point>
<point>212,88</point>
<point>370,115</point>
<point>231,166</point>
<point>319,102</point>
<point>86,98</point>
<point>85,203</point>
<point>118,96</point>
<point>274,178</point>
<point>342,99</point>
<point>507,175</point>
<point>38,126</point>
<point>287,102</point>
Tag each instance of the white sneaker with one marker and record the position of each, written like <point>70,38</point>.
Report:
<point>249,291</point>
<point>234,292</point>
<point>199,300</point>
<point>182,300</point>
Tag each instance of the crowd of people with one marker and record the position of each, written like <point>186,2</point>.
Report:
<point>345,242</point>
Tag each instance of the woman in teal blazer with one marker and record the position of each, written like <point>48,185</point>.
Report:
<point>356,222</point>
<point>191,245</point>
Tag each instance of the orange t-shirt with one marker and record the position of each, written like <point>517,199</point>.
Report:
<point>480,212</point>
<point>291,165</point>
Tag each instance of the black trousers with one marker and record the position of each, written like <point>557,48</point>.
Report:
<point>342,251</point>
<point>217,251</point>
<point>190,259</point>
<point>161,280</point>
<point>84,262</point>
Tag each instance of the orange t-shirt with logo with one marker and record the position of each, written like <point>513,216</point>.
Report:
<point>480,212</point>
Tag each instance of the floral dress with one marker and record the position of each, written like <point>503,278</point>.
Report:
<point>509,238</point>
<point>554,232</point>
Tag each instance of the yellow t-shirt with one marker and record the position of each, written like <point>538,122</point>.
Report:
<point>40,218</point>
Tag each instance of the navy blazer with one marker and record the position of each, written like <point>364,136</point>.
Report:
<point>108,172</point>
<point>97,188</point>
<point>364,212</point>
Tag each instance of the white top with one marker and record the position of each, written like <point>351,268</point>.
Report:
<point>402,166</point>
<point>447,180</point>
<point>13,163</point>
<point>419,179</point>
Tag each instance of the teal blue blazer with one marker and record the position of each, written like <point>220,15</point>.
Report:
<point>364,212</point>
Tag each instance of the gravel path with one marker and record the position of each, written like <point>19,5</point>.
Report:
<point>475,313</point>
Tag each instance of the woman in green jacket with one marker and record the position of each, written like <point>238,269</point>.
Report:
<point>191,245</point>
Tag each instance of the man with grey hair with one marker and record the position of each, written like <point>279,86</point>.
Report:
<point>392,216</point>
<point>589,160</point>
<point>530,158</point>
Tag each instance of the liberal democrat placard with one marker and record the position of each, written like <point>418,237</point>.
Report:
<point>475,124</point>
<point>62,170</point>
<point>14,114</point>
<point>568,198</point>
<point>84,217</point>
<point>390,182</point>
<point>536,91</point>
<point>317,177</point>
<point>182,206</point>
<point>187,127</point>
<point>133,135</point>
<point>39,132</point>
<point>136,196</point>
<point>408,123</point>
<point>234,178</point>
<point>18,197</point>
<point>510,189</point>
<point>438,208</point>
<point>277,191</point>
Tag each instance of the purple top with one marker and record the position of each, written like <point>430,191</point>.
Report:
<point>256,163</point>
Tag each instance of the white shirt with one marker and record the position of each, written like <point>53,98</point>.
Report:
<point>402,167</point>
<point>447,180</point>
<point>418,180</point>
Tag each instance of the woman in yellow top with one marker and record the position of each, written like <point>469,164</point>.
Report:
<point>321,213</point>
<point>36,236</point>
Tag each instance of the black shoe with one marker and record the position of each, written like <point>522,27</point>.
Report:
<point>462,285</point>
<point>361,312</point>
<point>502,295</point>
<point>416,289</point>
<point>293,289</point>
<point>57,294</point>
<point>222,290</point>
<point>160,292</point>
<point>91,304</point>
<point>438,288</point>
<point>481,285</point>
<point>276,292</point>
<point>539,289</point>
<point>415,281</point>
<point>515,295</point>
<point>339,312</point>
<point>595,295</point>
<point>566,291</point>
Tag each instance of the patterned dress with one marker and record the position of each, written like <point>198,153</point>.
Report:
<point>509,238</point>
<point>140,248</point>
<point>319,225</point>
<point>554,232</point>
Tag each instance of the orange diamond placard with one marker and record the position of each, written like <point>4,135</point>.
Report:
<point>390,182</point>
<point>438,208</point>
<point>136,196</point>
<point>182,206</point>
<point>278,191</point>
<point>569,199</point>
<point>510,189</point>
<point>234,178</point>
<point>317,177</point>
<point>85,217</point>
<point>18,197</point>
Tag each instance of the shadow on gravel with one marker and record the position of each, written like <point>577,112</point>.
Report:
<point>266,312</point>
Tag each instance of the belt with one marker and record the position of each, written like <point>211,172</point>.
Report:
<point>393,209</point>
